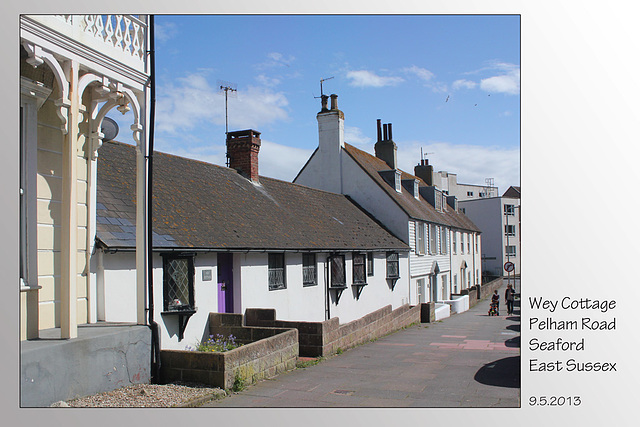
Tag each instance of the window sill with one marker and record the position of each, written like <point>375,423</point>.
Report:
<point>183,318</point>
<point>308,285</point>
<point>277,288</point>
<point>359,286</point>
<point>338,287</point>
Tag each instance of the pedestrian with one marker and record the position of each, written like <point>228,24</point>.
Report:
<point>495,299</point>
<point>509,296</point>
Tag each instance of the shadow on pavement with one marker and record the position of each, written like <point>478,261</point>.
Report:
<point>513,342</point>
<point>501,373</point>
<point>515,327</point>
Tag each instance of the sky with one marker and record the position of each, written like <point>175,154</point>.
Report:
<point>450,85</point>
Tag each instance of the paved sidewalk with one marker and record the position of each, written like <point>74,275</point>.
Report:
<point>467,360</point>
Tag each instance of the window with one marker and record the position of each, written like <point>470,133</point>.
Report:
<point>438,198</point>
<point>359,268</point>
<point>476,238</point>
<point>455,242</point>
<point>338,276</point>
<point>509,210</point>
<point>177,279</point>
<point>309,271</point>
<point>416,190</point>
<point>420,246</point>
<point>510,250</point>
<point>482,194</point>
<point>277,276</point>
<point>462,243</point>
<point>510,230</point>
<point>443,240</point>
<point>398,176</point>
<point>393,266</point>
<point>370,264</point>
<point>469,193</point>
<point>469,243</point>
<point>433,239</point>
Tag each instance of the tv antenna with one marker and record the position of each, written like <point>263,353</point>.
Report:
<point>424,155</point>
<point>229,89</point>
<point>321,92</point>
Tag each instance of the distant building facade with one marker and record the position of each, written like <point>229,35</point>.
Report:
<point>499,220</point>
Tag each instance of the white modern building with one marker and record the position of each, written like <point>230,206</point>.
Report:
<point>448,183</point>
<point>226,239</point>
<point>421,215</point>
<point>499,220</point>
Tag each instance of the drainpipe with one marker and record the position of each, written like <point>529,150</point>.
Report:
<point>155,339</point>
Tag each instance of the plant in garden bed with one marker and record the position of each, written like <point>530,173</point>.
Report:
<point>216,342</point>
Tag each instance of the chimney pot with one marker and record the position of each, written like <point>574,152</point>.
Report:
<point>379,126</point>
<point>390,136</point>
<point>324,100</point>
<point>334,101</point>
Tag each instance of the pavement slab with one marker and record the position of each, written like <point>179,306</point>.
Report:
<point>467,360</point>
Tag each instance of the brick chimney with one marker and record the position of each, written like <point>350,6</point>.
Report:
<point>424,171</point>
<point>242,151</point>
<point>385,148</point>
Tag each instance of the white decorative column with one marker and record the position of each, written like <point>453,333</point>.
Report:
<point>141,221</point>
<point>69,253</point>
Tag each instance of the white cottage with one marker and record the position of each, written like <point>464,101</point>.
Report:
<point>418,213</point>
<point>227,239</point>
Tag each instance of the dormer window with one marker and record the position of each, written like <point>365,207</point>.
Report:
<point>416,192</point>
<point>438,200</point>
<point>398,181</point>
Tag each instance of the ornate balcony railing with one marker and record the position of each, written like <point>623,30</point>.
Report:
<point>120,37</point>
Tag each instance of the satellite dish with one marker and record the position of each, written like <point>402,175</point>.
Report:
<point>109,129</point>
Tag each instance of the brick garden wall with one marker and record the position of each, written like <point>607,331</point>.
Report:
<point>325,338</point>
<point>267,351</point>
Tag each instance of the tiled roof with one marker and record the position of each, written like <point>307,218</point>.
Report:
<point>419,209</point>
<point>204,206</point>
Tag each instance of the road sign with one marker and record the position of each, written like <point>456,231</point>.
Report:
<point>508,266</point>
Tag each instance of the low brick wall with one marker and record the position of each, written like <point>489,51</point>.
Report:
<point>325,338</point>
<point>488,288</point>
<point>268,351</point>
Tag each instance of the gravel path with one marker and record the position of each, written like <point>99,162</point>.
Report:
<point>148,396</point>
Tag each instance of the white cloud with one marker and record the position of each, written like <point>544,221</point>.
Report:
<point>280,161</point>
<point>507,82</point>
<point>192,100</point>
<point>472,163</point>
<point>268,81</point>
<point>422,73</point>
<point>463,84</point>
<point>365,78</point>
<point>354,136</point>
<point>165,31</point>
<point>276,59</point>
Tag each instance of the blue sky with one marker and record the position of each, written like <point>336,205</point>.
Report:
<point>450,85</point>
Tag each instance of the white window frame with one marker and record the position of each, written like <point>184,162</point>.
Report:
<point>420,238</point>
<point>510,250</point>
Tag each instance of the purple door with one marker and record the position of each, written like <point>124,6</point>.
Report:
<point>225,283</point>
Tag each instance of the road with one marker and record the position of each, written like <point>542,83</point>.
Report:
<point>467,360</point>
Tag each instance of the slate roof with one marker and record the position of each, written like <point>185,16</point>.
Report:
<point>203,206</point>
<point>419,209</point>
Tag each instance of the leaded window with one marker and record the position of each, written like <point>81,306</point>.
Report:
<point>178,274</point>
<point>338,275</point>
<point>277,276</point>
<point>370,264</point>
<point>359,268</point>
<point>393,266</point>
<point>309,271</point>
